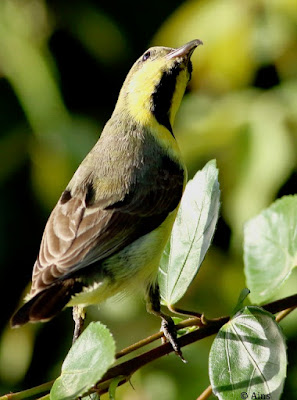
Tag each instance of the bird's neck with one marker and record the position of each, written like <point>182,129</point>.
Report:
<point>153,102</point>
<point>129,126</point>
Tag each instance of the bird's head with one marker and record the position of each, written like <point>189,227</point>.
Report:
<point>156,83</point>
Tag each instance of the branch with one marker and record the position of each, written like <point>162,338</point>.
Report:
<point>25,394</point>
<point>150,339</point>
<point>126,369</point>
<point>282,304</point>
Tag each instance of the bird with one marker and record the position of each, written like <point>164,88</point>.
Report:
<point>109,228</point>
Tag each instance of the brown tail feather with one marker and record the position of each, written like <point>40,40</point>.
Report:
<point>46,304</point>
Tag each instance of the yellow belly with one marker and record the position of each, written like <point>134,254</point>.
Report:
<point>134,267</point>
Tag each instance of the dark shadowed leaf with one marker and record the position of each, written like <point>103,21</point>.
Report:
<point>248,356</point>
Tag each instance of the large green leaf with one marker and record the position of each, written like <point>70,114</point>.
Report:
<point>270,248</point>
<point>88,359</point>
<point>248,356</point>
<point>191,234</point>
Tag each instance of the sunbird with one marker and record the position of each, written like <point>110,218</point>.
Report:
<point>109,228</point>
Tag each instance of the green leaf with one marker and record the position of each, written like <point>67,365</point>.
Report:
<point>191,234</point>
<point>248,356</point>
<point>87,361</point>
<point>270,248</point>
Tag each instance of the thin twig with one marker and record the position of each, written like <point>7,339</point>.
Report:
<point>126,369</point>
<point>281,315</point>
<point>24,394</point>
<point>184,324</point>
<point>176,310</point>
<point>206,393</point>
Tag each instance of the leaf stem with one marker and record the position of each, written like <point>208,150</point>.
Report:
<point>176,310</point>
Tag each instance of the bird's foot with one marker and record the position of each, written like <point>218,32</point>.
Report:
<point>79,316</point>
<point>170,335</point>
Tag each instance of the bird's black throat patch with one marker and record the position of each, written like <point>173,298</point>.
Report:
<point>162,96</point>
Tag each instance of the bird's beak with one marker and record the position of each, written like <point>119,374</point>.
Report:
<point>184,51</point>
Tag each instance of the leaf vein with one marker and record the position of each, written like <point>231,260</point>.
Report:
<point>255,364</point>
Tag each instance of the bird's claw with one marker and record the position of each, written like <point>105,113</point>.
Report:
<point>170,335</point>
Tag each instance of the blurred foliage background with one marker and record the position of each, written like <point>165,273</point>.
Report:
<point>61,67</point>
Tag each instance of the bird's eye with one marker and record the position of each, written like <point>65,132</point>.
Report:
<point>146,56</point>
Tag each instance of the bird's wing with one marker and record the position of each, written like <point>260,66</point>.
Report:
<point>80,232</point>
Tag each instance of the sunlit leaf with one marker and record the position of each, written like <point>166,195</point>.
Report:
<point>270,248</point>
<point>191,235</point>
<point>248,356</point>
<point>88,359</point>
